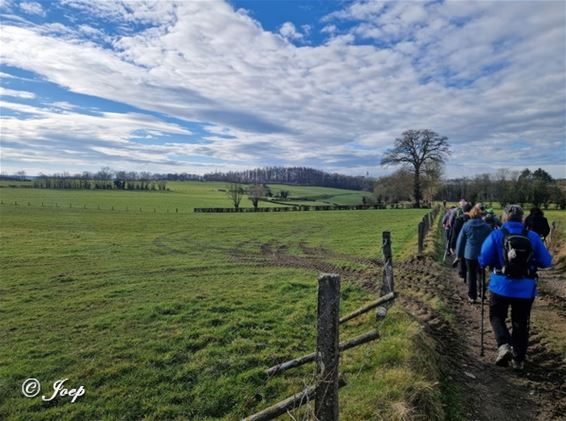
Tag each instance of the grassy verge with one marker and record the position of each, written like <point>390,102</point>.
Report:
<point>397,378</point>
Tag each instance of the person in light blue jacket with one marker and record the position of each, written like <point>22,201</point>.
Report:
<point>515,292</point>
<point>468,246</point>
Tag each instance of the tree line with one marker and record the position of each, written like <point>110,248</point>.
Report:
<point>295,176</point>
<point>133,180</point>
<point>533,187</point>
<point>105,179</point>
<point>536,188</point>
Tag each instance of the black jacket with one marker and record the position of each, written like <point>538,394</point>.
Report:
<point>538,224</point>
<point>458,224</point>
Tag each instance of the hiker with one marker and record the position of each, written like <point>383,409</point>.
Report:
<point>459,222</point>
<point>514,254</point>
<point>491,219</point>
<point>457,212</point>
<point>537,222</point>
<point>468,247</point>
<point>447,228</point>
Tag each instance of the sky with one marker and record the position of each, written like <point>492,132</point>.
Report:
<point>200,86</point>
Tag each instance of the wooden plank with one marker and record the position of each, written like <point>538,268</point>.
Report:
<point>368,307</point>
<point>344,346</point>
<point>294,402</point>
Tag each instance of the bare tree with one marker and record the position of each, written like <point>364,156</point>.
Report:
<point>256,192</point>
<point>415,149</point>
<point>105,173</point>
<point>235,192</point>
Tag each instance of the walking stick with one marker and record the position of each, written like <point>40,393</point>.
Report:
<point>482,292</point>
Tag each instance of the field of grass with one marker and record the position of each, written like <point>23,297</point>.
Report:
<point>184,196</point>
<point>165,316</point>
<point>323,196</point>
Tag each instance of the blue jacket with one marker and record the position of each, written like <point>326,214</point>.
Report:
<point>471,237</point>
<point>492,255</point>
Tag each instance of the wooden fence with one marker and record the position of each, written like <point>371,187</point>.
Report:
<point>424,227</point>
<point>328,347</point>
<point>297,208</point>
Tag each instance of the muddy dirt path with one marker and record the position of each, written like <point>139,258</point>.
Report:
<point>487,392</point>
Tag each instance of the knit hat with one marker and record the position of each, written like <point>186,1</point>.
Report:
<point>514,212</point>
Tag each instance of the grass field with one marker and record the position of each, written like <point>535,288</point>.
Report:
<point>175,316</point>
<point>184,196</point>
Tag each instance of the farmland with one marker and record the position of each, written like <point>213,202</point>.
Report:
<point>184,196</point>
<point>176,315</point>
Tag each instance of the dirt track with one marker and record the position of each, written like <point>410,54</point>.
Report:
<point>488,392</point>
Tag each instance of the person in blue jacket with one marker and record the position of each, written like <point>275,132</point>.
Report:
<point>468,246</point>
<point>506,292</point>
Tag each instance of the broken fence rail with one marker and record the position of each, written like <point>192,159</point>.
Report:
<point>358,340</point>
<point>294,402</point>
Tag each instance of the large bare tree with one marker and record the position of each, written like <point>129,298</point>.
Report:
<point>414,149</point>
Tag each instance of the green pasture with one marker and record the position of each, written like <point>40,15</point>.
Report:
<point>176,316</point>
<point>182,196</point>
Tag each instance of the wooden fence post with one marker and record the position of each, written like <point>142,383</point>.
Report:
<point>387,286</point>
<point>328,355</point>
<point>421,237</point>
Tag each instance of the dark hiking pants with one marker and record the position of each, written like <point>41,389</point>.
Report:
<point>520,315</point>
<point>472,277</point>
<point>448,234</point>
<point>462,269</point>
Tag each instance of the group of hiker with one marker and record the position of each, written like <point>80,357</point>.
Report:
<point>511,249</point>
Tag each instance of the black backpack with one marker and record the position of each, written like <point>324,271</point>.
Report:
<point>517,254</point>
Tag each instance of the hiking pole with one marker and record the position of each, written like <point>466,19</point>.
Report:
<point>482,292</point>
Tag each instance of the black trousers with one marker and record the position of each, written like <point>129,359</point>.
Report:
<point>462,269</point>
<point>472,277</point>
<point>520,316</point>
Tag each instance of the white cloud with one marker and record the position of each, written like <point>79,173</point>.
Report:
<point>329,29</point>
<point>32,8</point>
<point>472,75</point>
<point>16,94</point>
<point>289,31</point>
<point>55,134</point>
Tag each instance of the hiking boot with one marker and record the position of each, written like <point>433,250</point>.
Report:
<point>504,354</point>
<point>517,365</point>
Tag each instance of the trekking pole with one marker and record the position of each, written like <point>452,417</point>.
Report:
<point>482,292</point>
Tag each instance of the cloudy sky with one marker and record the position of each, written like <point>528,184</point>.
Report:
<point>195,86</point>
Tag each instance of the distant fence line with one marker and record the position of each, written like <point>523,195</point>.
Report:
<point>298,208</point>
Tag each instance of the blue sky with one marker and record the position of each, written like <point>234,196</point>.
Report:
<point>191,86</point>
